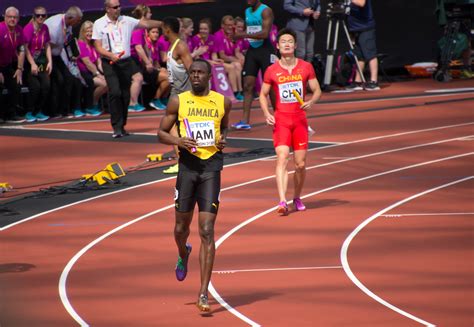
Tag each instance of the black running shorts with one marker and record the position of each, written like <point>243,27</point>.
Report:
<point>258,59</point>
<point>200,187</point>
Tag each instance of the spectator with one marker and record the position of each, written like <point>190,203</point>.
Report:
<point>242,44</point>
<point>161,78</point>
<point>361,24</point>
<point>91,71</point>
<point>12,59</point>
<point>66,84</point>
<point>303,14</point>
<point>204,43</point>
<point>137,53</point>
<point>39,64</point>
<point>111,34</point>
<point>229,52</point>
<point>186,32</point>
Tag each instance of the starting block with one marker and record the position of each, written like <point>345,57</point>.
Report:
<point>4,187</point>
<point>107,175</point>
<point>154,157</point>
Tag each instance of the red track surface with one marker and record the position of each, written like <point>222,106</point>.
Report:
<point>420,263</point>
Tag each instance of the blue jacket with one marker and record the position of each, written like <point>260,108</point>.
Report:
<point>297,21</point>
<point>361,18</point>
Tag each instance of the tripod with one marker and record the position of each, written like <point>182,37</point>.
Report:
<point>338,18</point>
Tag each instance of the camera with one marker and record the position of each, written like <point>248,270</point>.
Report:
<point>338,8</point>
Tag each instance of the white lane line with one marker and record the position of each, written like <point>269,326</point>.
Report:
<point>462,89</point>
<point>346,244</point>
<point>221,240</point>
<point>241,163</point>
<point>396,215</point>
<point>233,271</point>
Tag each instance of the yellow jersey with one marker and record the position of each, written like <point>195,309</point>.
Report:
<point>204,114</point>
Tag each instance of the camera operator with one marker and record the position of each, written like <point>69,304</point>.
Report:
<point>361,24</point>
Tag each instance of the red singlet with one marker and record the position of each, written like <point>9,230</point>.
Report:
<point>291,125</point>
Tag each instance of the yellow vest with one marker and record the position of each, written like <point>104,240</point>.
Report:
<point>204,114</point>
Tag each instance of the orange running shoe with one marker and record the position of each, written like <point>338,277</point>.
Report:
<point>203,303</point>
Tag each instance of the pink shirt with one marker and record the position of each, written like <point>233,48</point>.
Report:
<point>223,43</point>
<point>163,44</point>
<point>154,50</point>
<point>273,35</point>
<point>87,51</point>
<point>197,42</point>
<point>36,40</point>
<point>138,38</point>
<point>243,45</point>
<point>9,42</point>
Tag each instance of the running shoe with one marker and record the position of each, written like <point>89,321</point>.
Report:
<point>136,108</point>
<point>372,86</point>
<point>78,113</point>
<point>203,303</point>
<point>282,208</point>
<point>172,170</point>
<point>355,86</point>
<point>182,265</point>
<point>93,111</point>
<point>41,117</point>
<point>30,118</point>
<point>241,125</point>
<point>157,104</point>
<point>299,206</point>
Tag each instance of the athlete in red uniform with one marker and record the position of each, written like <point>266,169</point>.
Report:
<point>286,76</point>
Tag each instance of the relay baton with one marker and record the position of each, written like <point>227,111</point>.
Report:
<point>119,55</point>
<point>189,133</point>
<point>297,96</point>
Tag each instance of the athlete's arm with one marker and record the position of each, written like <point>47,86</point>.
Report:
<point>314,86</point>
<point>184,55</point>
<point>264,91</point>
<point>224,125</point>
<point>167,122</point>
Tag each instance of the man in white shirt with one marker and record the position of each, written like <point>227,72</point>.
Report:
<point>112,34</point>
<point>65,88</point>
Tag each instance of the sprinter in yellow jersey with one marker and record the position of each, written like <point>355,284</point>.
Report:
<point>200,163</point>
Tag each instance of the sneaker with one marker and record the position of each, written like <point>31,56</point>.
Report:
<point>136,108</point>
<point>203,303</point>
<point>117,135</point>
<point>93,111</point>
<point>241,125</point>
<point>157,104</point>
<point>299,206</point>
<point>239,96</point>
<point>371,86</point>
<point>466,74</point>
<point>125,132</point>
<point>181,269</point>
<point>282,208</point>
<point>16,120</point>
<point>30,118</point>
<point>172,170</point>
<point>41,117</point>
<point>78,113</point>
<point>355,86</point>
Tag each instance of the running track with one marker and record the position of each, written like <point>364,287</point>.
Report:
<point>386,240</point>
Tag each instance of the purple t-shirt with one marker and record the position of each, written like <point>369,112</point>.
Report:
<point>223,43</point>
<point>87,51</point>
<point>198,41</point>
<point>163,44</point>
<point>138,38</point>
<point>36,40</point>
<point>243,45</point>
<point>9,42</point>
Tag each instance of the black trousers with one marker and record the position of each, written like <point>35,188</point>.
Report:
<point>88,91</point>
<point>65,89</point>
<point>119,79</point>
<point>9,103</point>
<point>39,86</point>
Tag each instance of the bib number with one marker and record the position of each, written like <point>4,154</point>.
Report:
<point>204,133</point>
<point>286,94</point>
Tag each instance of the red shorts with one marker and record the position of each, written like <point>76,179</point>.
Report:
<point>291,129</point>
